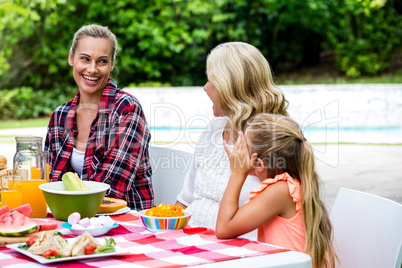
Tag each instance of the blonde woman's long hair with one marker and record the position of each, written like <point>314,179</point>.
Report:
<point>279,142</point>
<point>243,80</point>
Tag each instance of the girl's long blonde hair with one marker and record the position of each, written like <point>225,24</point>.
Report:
<point>242,78</point>
<point>280,143</point>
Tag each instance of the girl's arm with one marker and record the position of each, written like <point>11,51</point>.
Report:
<point>234,221</point>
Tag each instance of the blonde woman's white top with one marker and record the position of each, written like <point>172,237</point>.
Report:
<point>206,181</point>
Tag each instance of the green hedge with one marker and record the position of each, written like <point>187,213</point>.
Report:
<point>167,41</point>
<point>26,102</point>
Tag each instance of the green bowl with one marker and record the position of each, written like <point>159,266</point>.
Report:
<point>62,203</point>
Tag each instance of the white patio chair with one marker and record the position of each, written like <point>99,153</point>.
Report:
<point>169,168</point>
<point>367,230</point>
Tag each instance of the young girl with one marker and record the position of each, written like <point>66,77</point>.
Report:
<point>286,207</point>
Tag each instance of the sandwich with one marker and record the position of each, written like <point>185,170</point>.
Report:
<point>3,166</point>
<point>81,242</point>
<point>53,240</point>
<point>50,240</point>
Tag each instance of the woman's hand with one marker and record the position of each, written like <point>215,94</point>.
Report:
<point>240,160</point>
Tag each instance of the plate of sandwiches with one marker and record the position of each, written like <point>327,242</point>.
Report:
<point>71,248</point>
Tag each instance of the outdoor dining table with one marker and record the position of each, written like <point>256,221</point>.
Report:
<point>191,246</point>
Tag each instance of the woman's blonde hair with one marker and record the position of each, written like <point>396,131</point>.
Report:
<point>279,142</point>
<point>97,31</point>
<point>242,78</point>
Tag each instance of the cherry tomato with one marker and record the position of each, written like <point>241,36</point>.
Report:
<point>32,240</point>
<point>50,253</point>
<point>90,249</point>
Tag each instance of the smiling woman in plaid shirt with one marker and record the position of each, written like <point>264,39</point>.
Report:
<point>102,133</point>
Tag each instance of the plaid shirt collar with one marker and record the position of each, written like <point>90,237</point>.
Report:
<point>105,104</point>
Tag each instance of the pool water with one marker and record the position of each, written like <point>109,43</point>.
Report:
<point>358,113</point>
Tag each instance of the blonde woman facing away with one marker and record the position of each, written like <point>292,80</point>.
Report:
<point>286,206</point>
<point>239,85</point>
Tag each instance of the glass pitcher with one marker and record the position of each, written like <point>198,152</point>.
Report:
<point>29,161</point>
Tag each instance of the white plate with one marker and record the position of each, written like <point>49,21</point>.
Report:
<point>93,232</point>
<point>43,260</point>
<point>117,212</point>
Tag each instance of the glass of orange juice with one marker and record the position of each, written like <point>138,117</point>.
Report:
<point>32,195</point>
<point>10,172</point>
<point>11,191</point>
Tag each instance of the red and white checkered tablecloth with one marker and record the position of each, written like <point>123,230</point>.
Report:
<point>179,248</point>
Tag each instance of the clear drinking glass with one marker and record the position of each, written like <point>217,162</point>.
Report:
<point>10,172</point>
<point>11,192</point>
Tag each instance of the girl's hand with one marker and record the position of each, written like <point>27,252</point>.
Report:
<point>240,160</point>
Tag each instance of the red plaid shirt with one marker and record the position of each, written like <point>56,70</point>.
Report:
<point>117,148</point>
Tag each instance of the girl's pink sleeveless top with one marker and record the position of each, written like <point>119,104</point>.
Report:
<point>287,233</point>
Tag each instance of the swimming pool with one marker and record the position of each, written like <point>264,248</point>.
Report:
<point>358,113</point>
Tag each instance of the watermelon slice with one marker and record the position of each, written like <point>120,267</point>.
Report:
<point>44,225</point>
<point>4,210</point>
<point>16,224</point>
<point>24,209</point>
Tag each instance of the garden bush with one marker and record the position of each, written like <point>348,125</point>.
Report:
<point>364,34</point>
<point>167,41</point>
<point>26,102</point>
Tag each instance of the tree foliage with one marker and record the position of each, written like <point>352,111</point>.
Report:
<point>167,41</point>
<point>364,34</point>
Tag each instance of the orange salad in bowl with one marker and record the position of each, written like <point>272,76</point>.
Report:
<point>163,210</point>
